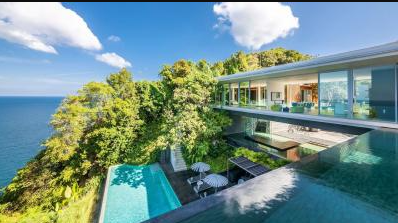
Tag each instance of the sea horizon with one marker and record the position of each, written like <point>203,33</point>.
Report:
<point>24,125</point>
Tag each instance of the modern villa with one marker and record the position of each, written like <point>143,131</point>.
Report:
<point>347,92</point>
<point>357,88</point>
<point>333,117</point>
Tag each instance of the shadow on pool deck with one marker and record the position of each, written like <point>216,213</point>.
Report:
<point>178,180</point>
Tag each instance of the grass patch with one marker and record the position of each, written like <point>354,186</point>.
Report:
<point>79,211</point>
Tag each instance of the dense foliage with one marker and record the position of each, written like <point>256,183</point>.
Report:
<point>123,121</point>
<point>92,130</point>
<point>190,121</point>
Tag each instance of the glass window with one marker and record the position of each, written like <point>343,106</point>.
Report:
<point>234,94</point>
<point>253,95</point>
<point>244,93</point>
<point>374,93</point>
<point>257,93</point>
<point>263,95</point>
<point>333,87</point>
<point>225,100</point>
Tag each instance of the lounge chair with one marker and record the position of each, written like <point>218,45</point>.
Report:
<point>195,179</point>
<point>201,187</point>
<point>257,170</point>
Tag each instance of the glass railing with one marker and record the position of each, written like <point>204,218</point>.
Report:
<point>307,108</point>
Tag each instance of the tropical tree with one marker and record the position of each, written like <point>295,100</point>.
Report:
<point>92,130</point>
<point>191,121</point>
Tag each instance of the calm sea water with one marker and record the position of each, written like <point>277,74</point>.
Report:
<point>24,124</point>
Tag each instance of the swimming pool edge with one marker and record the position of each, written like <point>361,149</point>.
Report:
<point>105,195</point>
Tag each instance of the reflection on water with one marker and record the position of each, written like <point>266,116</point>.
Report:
<point>277,190</point>
<point>356,181</point>
<point>137,193</point>
<point>294,198</point>
<point>124,174</point>
<point>366,167</point>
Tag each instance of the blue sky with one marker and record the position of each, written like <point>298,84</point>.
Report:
<point>153,34</point>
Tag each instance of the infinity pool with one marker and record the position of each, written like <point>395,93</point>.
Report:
<point>355,181</point>
<point>136,193</point>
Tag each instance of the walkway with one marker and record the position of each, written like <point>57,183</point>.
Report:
<point>178,181</point>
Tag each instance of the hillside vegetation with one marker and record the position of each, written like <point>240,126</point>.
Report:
<point>123,121</point>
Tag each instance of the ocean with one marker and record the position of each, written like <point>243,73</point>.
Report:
<point>24,125</point>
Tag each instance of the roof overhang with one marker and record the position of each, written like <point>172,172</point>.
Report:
<point>373,56</point>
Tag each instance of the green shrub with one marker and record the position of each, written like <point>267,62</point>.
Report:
<point>218,164</point>
<point>276,107</point>
<point>260,157</point>
<point>297,109</point>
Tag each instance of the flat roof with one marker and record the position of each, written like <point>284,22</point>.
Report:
<point>386,53</point>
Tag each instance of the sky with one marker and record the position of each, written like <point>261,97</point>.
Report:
<point>55,48</point>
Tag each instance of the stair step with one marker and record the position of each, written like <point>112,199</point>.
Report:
<point>179,162</point>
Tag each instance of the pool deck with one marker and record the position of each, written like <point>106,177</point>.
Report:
<point>178,181</point>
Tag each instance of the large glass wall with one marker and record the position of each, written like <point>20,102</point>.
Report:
<point>234,94</point>
<point>333,90</point>
<point>368,93</point>
<point>374,93</point>
<point>258,93</point>
<point>244,93</point>
<point>301,94</point>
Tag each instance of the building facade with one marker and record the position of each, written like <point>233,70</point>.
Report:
<point>356,88</point>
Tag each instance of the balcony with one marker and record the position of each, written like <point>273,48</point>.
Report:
<point>365,96</point>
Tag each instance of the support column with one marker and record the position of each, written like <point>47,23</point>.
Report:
<point>222,95</point>
<point>319,93</point>
<point>350,88</point>
<point>249,102</point>
<point>238,94</point>
<point>229,94</point>
<point>396,93</point>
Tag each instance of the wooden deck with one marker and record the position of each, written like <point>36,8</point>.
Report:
<point>178,180</point>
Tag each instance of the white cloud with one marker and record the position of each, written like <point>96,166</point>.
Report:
<point>254,24</point>
<point>114,38</point>
<point>42,26</point>
<point>113,60</point>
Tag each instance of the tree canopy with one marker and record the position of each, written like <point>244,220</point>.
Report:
<point>190,121</point>
<point>92,130</point>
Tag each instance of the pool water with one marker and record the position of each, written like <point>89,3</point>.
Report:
<point>136,193</point>
<point>354,181</point>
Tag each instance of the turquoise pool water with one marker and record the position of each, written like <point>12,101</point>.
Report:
<point>355,181</point>
<point>137,193</point>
